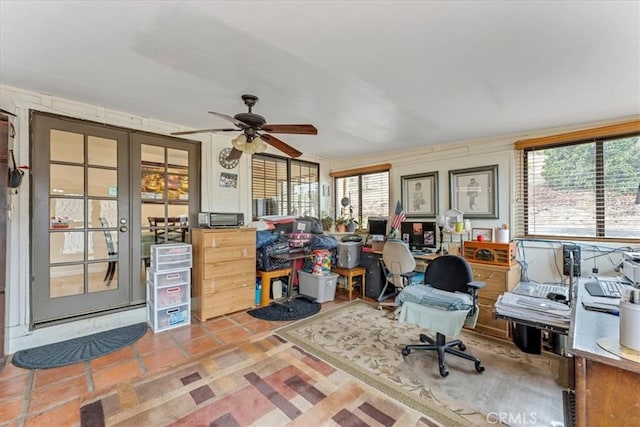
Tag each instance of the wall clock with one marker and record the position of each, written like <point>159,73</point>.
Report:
<point>224,161</point>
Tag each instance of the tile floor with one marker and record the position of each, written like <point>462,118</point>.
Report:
<point>52,397</point>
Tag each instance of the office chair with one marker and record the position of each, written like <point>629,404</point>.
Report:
<point>111,251</point>
<point>440,307</point>
<point>398,267</point>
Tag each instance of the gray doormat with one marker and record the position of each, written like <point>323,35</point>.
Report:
<point>78,349</point>
<point>298,308</point>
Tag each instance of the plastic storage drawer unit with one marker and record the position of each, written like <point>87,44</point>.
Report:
<point>168,278</point>
<point>322,288</point>
<point>168,318</point>
<point>168,296</point>
<point>171,256</point>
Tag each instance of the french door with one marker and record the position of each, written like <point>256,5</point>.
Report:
<point>89,242</point>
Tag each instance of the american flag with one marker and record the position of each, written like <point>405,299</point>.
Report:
<point>398,217</point>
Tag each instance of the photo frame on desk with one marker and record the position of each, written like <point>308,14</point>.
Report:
<point>486,233</point>
<point>419,195</point>
<point>474,191</point>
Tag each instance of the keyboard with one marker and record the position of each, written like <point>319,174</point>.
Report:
<point>605,288</point>
<point>539,290</point>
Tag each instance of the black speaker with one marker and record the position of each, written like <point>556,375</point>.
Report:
<point>567,251</point>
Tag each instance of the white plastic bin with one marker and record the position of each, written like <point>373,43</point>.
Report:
<point>322,288</point>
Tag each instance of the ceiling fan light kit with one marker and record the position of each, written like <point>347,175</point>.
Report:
<point>249,124</point>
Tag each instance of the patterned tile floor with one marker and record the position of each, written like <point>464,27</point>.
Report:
<point>51,397</point>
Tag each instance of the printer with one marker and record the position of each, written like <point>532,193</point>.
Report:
<point>631,267</point>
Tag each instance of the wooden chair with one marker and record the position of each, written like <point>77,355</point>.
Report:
<point>167,229</point>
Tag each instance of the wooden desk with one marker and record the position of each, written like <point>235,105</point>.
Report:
<point>606,386</point>
<point>350,273</point>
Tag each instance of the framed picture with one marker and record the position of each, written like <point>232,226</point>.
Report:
<point>486,233</point>
<point>475,191</point>
<point>420,195</point>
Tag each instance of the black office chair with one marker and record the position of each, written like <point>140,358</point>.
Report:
<point>111,251</point>
<point>449,273</point>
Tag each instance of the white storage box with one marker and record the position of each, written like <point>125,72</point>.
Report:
<point>168,278</point>
<point>162,319</point>
<point>170,256</point>
<point>322,288</point>
<point>168,296</point>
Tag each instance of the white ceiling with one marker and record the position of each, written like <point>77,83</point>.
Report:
<point>371,76</point>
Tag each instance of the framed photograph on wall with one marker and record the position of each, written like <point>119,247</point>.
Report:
<point>486,233</point>
<point>474,191</point>
<point>419,195</point>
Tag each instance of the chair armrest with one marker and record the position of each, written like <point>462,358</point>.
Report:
<point>409,274</point>
<point>477,284</point>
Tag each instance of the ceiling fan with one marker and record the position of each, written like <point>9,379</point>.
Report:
<point>253,139</point>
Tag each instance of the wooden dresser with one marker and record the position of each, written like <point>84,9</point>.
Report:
<point>498,280</point>
<point>224,271</point>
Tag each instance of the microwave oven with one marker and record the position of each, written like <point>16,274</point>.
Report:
<point>220,219</point>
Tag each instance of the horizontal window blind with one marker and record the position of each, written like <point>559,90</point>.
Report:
<point>368,195</point>
<point>281,186</point>
<point>584,189</point>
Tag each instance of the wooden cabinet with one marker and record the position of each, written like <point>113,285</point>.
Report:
<point>224,271</point>
<point>498,280</point>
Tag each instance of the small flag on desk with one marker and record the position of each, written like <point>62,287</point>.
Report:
<point>398,217</point>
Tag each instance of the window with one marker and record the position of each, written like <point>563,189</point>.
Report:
<point>585,188</point>
<point>282,186</point>
<point>365,193</point>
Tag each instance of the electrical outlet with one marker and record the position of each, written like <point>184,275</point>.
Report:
<point>567,250</point>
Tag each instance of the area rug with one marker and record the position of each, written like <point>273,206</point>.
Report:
<point>267,382</point>
<point>296,309</point>
<point>367,343</point>
<point>78,349</point>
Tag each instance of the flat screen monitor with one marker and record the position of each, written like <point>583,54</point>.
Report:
<point>377,225</point>
<point>419,235</point>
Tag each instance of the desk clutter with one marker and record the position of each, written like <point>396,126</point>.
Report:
<point>630,319</point>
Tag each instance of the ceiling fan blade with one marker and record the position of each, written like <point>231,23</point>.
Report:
<point>231,119</point>
<point>280,145</point>
<point>189,132</point>
<point>291,129</point>
<point>234,154</point>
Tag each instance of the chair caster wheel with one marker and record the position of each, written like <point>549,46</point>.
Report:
<point>444,372</point>
<point>406,351</point>
<point>462,347</point>
<point>479,367</point>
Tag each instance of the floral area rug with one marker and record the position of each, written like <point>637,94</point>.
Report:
<point>266,382</point>
<point>365,342</point>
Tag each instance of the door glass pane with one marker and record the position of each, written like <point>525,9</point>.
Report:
<point>103,213</point>
<point>66,280</point>
<point>66,213</point>
<point>152,154</point>
<point>66,246</point>
<point>177,157</point>
<point>102,151</point>
<point>103,276</point>
<point>66,180</point>
<point>66,146</point>
<point>102,182</point>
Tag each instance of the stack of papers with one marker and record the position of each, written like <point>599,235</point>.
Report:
<point>533,309</point>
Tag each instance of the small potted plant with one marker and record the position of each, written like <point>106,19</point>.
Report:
<point>341,224</point>
<point>352,225</point>
<point>327,222</point>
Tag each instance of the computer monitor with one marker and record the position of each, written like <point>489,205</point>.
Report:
<point>377,225</point>
<point>419,234</point>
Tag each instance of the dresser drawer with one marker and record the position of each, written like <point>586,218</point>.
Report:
<point>213,255</point>
<point>225,283</point>
<point>486,324</point>
<point>492,278</point>
<point>229,268</point>
<point>219,303</point>
<point>229,239</point>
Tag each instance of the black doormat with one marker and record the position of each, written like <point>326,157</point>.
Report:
<point>298,308</point>
<point>78,349</point>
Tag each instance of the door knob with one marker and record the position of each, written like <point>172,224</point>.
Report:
<point>124,229</point>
